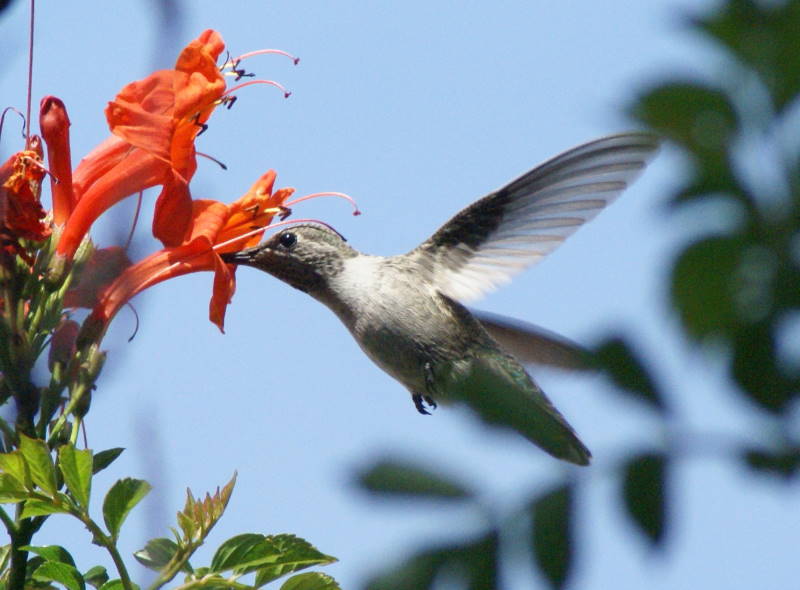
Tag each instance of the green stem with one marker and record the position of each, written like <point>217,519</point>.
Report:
<point>100,538</point>
<point>174,566</point>
<point>74,399</point>
<point>22,534</point>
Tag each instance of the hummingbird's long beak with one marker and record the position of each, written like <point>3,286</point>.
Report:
<point>245,257</point>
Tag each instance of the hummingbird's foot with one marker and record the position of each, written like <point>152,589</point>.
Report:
<point>420,401</point>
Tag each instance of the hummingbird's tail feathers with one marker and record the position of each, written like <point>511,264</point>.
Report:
<point>499,390</point>
<point>532,344</point>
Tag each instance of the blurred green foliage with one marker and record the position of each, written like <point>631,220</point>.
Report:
<point>736,292</point>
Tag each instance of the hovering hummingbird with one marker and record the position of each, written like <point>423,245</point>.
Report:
<point>406,311</point>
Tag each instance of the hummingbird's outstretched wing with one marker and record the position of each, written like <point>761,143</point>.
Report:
<point>490,241</point>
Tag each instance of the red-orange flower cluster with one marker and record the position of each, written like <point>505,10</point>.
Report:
<point>21,212</point>
<point>154,123</point>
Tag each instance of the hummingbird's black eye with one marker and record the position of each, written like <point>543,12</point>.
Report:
<point>287,239</point>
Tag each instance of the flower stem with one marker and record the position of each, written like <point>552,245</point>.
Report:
<point>108,542</point>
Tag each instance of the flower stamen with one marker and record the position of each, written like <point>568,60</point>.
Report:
<point>278,85</point>
<point>348,198</point>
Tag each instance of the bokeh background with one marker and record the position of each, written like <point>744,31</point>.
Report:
<point>415,109</point>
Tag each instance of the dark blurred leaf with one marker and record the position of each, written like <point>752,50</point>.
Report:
<point>103,459</point>
<point>311,581</point>
<point>704,285</point>
<point>784,463</point>
<point>62,573</point>
<point>96,576</point>
<point>644,494</point>
<point>763,36</point>
<point>627,371</point>
<point>702,120</point>
<point>552,515</point>
<point>157,553</point>
<point>404,479</point>
<point>120,500</point>
<point>475,562</point>
<point>756,370</point>
<point>5,4</point>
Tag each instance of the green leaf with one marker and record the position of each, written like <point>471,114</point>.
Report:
<point>51,553</point>
<point>756,368</point>
<point>704,285</point>
<point>627,371</point>
<point>644,494</point>
<point>404,479</point>
<point>474,562</point>
<point>311,581</point>
<point>157,553</point>
<point>11,490</point>
<point>96,576</point>
<point>76,467</point>
<point>40,463</point>
<point>763,36</point>
<point>703,121</point>
<point>240,551</point>
<point>784,463</point>
<point>14,466</point>
<point>120,500</point>
<point>286,554</point>
<point>62,573</point>
<point>116,585</point>
<point>271,556</point>
<point>42,508</point>
<point>103,459</point>
<point>552,516</point>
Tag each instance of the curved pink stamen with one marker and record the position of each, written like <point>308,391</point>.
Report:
<point>286,93</point>
<point>236,60</point>
<point>348,198</point>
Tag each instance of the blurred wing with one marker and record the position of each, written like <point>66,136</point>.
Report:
<point>493,239</point>
<point>533,345</point>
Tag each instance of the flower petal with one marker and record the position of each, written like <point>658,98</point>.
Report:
<point>54,123</point>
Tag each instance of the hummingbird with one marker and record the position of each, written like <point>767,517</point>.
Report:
<point>407,311</point>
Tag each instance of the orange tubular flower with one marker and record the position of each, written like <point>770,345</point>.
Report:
<point>21,212</point>
<point>54,123</point>
<point>154,122</point>
<point>213,224</point>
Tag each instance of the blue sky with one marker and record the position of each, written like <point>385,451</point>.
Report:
<point>415,109</point>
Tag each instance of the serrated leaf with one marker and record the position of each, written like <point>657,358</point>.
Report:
<point>619,362</point>
<point>15,467</point>
<point>552,516</point>
<point>311,581</point>
<point>11,491</point>
<point>644,494</point>
<point>404,479</point>
<point>41,508</point>
<point>62,573</point>
<point>285,554</point>
<point>51,553</point>
<point>120,500</point>
<point>240,551</point>
<point>157,553</point>
<point>96,576</point>
<point>103,459</point>
<point>40,463</point>
<point>76,467</point>
<point>198,516</point>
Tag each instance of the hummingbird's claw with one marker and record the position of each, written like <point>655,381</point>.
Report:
<point>420,401</point>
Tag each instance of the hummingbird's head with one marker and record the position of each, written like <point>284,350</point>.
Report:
<point>304,256</point>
